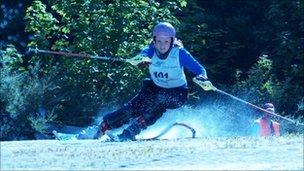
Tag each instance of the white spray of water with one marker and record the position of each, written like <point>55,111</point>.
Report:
<point>204,119</point>
<point>207,120</point>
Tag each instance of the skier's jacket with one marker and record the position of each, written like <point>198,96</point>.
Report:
<point>268,128</point>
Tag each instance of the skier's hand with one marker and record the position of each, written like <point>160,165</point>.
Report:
<point>139,61</point>
<point>207,85</point>
<point>143,64</point>
<point>201,78</point>
<point>203,82</point>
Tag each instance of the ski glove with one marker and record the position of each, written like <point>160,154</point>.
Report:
<point>203,82</point>
<point>140,61</point>
<point>144,64</point>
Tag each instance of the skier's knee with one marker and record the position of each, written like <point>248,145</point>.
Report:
<point>101,130</point>
<point>119,117</point>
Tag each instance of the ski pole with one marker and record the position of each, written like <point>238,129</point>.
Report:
<point>211,87</point>
<point>133,61</point>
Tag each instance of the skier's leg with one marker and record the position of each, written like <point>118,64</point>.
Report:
<point>154,109</point>
<point>122,116</point>
<point>114,120</point>
<point>176,98</point>
<point>136,125</point>
<point>170,99</point>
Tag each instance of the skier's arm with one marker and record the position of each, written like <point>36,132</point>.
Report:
<point>148,51</point>
<point>191,64</point>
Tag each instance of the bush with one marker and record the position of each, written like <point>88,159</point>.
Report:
<point>23,93</point>
<point>258,88</point>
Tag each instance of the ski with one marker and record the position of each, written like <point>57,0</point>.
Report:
<point>64,136</point>
<point>114,138</point>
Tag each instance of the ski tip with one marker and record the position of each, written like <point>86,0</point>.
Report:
<point>55,132</point>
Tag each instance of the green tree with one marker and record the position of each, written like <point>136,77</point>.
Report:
<point>230,36</point>
<point>285,46</point>
<point>259,86</point>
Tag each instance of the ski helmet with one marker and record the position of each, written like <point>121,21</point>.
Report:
<point>164,29</point>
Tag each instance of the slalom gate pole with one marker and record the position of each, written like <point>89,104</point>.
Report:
<point>82,55</point>
<point>133,61</point>
<point>200,83</point>
<point>257,107</point>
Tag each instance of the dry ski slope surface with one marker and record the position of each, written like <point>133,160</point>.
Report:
<point>241,153</point>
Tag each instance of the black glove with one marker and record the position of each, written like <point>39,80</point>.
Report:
<point>143,64</point>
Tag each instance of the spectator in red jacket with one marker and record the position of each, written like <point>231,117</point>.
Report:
<point>265,126</point>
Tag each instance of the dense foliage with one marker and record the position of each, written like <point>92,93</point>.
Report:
<point>253,49</point>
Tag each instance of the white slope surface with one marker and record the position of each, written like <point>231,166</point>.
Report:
<point>229,153</point>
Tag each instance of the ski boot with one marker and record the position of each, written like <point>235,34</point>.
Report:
<point>102,129</point>
<point>137,124</point>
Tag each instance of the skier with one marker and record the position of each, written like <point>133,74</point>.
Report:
<point>265,126</point>
<point>166,88</point>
